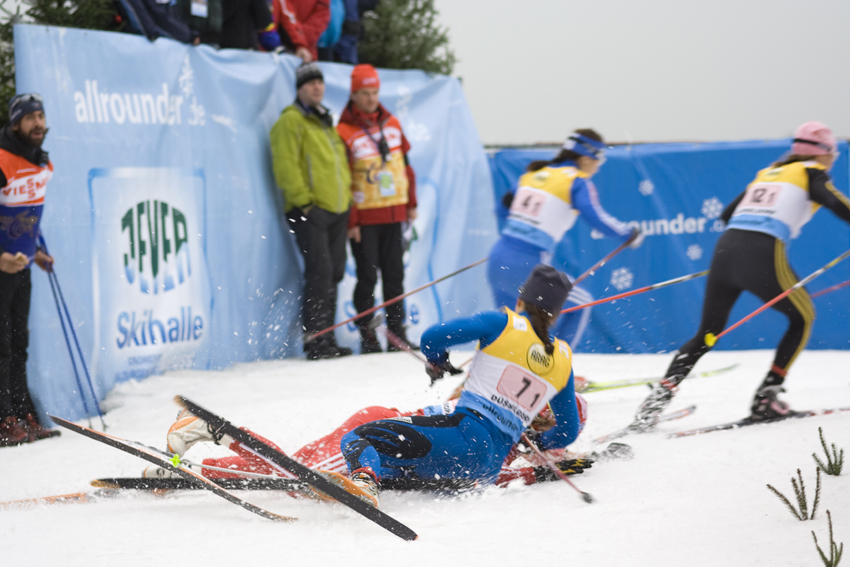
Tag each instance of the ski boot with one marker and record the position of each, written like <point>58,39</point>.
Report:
<point>650,410</point>
<point>767,406</point>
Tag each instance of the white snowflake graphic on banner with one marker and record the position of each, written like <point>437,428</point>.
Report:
<point>646,187</point>
<point>694,252</point>
<point>187,78</point>
<point>712,208</point>
<point>622,278</point>
<point>197,114</point>
<point>405,95</point>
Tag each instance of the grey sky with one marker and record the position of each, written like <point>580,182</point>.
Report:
<point>652,70</point>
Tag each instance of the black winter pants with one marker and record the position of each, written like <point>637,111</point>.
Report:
<point>15,292</point>
<point>381,248</point>
<point>751,261</point>
<point>321,238</point>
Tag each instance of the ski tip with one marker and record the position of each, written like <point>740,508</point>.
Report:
<point>180,400</point>
<point>98,483</point>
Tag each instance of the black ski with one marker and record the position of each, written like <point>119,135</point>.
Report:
<point>747,421</point>
<point>311,477</point>
<point>155,457</point>
<point>629,429</point>
<point>131,483</point>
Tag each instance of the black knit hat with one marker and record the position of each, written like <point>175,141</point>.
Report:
<point>306,73</point>
<point>23,104</point>
<point>547,288</point>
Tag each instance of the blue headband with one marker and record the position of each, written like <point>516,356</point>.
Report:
<point>584,146</point>
<point>23,104</point>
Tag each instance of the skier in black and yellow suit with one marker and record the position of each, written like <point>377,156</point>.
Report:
<point>750,256</point>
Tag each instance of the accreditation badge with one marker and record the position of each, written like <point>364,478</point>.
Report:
<point>386,184</point>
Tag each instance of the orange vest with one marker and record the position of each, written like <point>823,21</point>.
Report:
<point>21,202</point>
<point>374,183</point>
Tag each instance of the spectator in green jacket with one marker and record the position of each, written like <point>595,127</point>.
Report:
<point>311,167</point>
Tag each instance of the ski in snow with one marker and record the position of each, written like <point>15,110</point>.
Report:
<point>629,429</point>
<point>132,483</point>
<point>591,386</point>
<point>155,457</point>
<point>305,474</point>
<point>75,498</point>
<point>747,421</point>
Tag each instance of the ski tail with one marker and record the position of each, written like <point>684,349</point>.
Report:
<point>746,422</point>
<point>135,483</point>
<point>303,473</point>
<point>679,414</point>
<point>599,386</point>
<point>75,498</point>
<point>152,456</point>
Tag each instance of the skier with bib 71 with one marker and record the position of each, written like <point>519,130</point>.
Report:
<point>516,371</point>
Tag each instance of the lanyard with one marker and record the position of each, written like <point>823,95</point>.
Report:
<point>381,144</point>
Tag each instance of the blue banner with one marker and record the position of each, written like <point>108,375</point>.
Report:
<point>164,217</point>
<point>675,194</point>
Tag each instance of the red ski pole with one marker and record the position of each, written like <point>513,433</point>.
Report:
<point>393,300</point>
<point>637,291</point>
<point>605,260</point>
<point>711,339</point>
<point>830,289</point>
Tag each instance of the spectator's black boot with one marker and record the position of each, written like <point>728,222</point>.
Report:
<point>369,340</point>
<point>11,433</point>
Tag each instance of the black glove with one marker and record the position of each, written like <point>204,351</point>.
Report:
<point>508,200</point>
<point>567,466</point>
<point>437,371</point>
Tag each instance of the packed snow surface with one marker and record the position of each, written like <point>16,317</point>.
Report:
<point>690,501</point>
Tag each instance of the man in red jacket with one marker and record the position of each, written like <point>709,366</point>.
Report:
<point>301,23</point>
<point>383,186</point>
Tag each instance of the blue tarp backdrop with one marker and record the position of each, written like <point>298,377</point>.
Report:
<point>164,217</point>
<point>675,193</point>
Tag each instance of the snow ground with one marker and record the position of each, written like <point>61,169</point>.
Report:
<point>699,501</point>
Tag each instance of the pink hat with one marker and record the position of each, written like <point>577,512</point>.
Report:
<point>813,139</point>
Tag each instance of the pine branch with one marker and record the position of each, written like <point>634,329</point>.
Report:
<point>835,551</point>
<point>404,34</point>
<point>817,495</point>
<point>801,495</point>
<point>787,502</point>
<point>834,462</point>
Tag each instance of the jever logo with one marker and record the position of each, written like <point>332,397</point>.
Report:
<point>157,251</point>
<point>538,361</point>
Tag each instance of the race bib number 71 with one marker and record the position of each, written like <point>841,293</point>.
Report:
<point>521,387</point>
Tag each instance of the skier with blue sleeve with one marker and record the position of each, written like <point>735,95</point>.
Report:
<point>516,371</point>
<point>549,198</point>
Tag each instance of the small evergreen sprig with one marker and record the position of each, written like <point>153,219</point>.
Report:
<point>834,462</point>
<point>800,492</point>
<point>835,551</point>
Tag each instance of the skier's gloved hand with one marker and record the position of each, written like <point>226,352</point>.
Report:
<point>508,200</point>
<point>437,370</point>
<point>567,466</point>
<point>638,238</point>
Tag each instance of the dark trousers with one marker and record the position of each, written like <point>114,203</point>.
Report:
<point>15,292</point>
<point>320,236</point>
<point>751,261</point>
<point>381,248</point>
